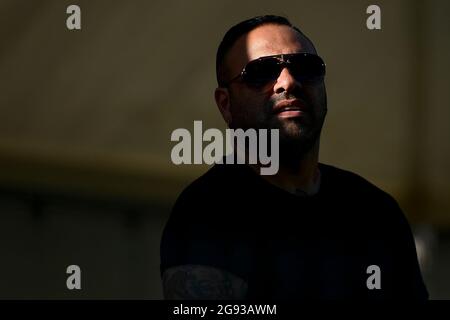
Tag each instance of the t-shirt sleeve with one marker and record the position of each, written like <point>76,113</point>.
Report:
<point>408,277</point>
<point>194,234</point>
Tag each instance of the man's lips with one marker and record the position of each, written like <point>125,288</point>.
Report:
<point>290,108</point>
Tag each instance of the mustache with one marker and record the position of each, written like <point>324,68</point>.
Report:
<point>290,96</point>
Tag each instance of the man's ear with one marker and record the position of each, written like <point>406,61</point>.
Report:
<point>222,97</point>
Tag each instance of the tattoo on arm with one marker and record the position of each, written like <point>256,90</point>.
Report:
<point>202,282</point>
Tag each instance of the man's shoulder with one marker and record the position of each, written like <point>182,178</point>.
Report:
<point>215,185</point>
<point>217,178</point>
<point>351,188</point>
<point>349,182</point>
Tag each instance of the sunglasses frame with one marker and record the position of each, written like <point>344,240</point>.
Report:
<point>283,59</point>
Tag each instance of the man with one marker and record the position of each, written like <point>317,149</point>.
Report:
<point>309,231</point>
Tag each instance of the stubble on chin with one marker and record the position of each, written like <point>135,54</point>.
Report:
<point>297,138</point>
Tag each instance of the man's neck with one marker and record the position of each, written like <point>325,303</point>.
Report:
<point>301,179</point>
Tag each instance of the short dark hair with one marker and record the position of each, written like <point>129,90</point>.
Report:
<point>242,28</point>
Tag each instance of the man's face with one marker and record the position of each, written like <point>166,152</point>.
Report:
<point>259,107</point>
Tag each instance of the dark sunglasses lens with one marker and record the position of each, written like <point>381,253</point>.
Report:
<point>307,67</point>
<point>261,71</point>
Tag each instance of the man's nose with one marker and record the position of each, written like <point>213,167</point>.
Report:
<point>285,82</point>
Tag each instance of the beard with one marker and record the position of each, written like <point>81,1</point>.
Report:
<point>297,139</point>
<point>297,135</point>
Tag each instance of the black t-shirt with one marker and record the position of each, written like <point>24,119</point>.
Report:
<point>289,247</point>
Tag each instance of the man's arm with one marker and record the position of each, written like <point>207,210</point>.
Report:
<point>192,282</point>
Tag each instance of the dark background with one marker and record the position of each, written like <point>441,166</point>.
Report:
<point>86,117</point>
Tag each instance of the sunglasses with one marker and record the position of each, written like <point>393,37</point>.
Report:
<point>304,67</point>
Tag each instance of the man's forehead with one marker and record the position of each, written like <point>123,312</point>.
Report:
<point>265,40</point>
